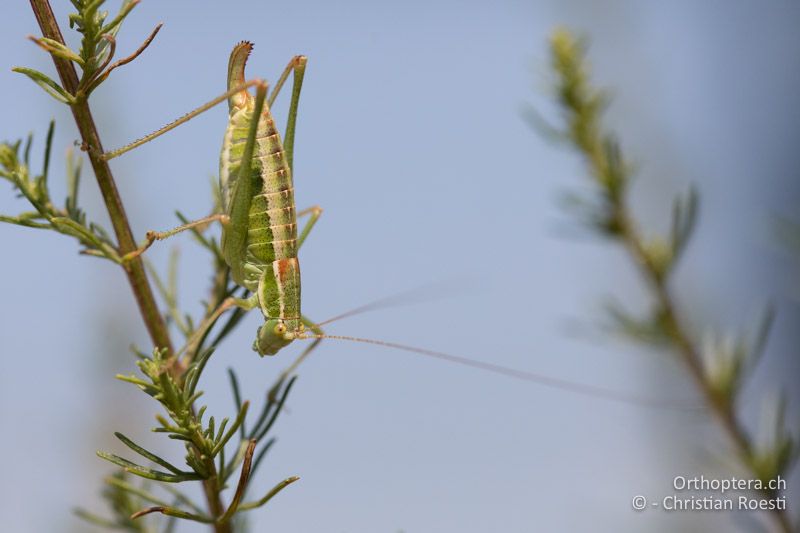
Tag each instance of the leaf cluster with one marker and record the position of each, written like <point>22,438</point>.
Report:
<point>98,47</point>
<point>68,220</point>
<point>204,440</point>
<point>97,50</point>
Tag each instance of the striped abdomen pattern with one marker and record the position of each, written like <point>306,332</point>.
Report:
<point>271,265</point>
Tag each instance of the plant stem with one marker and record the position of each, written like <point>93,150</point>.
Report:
<point>134,269</point>
<point>211,490</point>
<point>722,408</point>
<point>137,277</point>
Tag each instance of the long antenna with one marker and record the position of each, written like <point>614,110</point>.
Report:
<point>410,296</point>
<point>554,383</point>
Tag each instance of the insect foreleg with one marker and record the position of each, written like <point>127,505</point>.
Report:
<point>153,236</point>
<point>315,212</point>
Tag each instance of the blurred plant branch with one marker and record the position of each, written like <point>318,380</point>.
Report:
<point>719,368</point>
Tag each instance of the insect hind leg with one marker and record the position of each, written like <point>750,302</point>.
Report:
<point>297,67</point>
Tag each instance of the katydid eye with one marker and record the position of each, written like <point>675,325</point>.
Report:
<point>280,329</point>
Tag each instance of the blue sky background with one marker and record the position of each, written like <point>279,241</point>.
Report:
<point>411,137</point>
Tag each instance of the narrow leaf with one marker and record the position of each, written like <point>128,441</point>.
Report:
<point>113,26</point>
<point>94,519</point>
<point>762,333</point>
<point>67,226</point>
<point>136,491</point>
<point>275,490</point>
<point>147,473</point>
<point>199,363</point>
<point>239,420</point>
<point>27,151</point>
<point>684,217</point>
<point>145,386</point>
<point>237,396</point>
<point>221,430</point>
<point>20,221</point>
<point>145,453</point>
<point>172,511</point>
<point>182,498</point>
<point>74,165</point>
<point>58,49</point>
<point>48,149</point>
<point>262,454</point>
<point>261,433</point>
<point>50,87</point>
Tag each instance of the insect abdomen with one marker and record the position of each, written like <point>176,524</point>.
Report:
<point>280,290</point>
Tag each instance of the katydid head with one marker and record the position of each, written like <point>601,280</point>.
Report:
<point>275,334</point>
